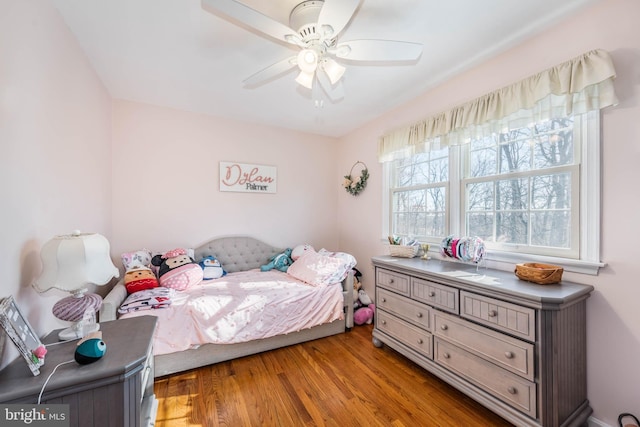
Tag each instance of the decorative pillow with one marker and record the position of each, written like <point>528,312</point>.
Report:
<point>138,276</point>
<point>177,269</point>
<point>140,279</point>
<point>211,268</point>
<point>319,270</point>
<point>136,259</point>
<point>348,259</point>
<point>147,299</point>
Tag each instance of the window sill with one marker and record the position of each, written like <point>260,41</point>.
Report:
<point>570,265</point>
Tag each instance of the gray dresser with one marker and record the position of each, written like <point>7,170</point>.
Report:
<point>516,347</point>
<point>117,390</point>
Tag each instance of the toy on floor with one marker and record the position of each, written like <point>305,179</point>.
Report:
<point>364,315</point>
<point>364,308</point>
<point>211,268</point>
<point>280,262</point>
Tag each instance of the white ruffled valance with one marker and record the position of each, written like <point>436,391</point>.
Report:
<point>577,86</point>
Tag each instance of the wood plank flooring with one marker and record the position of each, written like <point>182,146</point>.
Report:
<point>341,380</point>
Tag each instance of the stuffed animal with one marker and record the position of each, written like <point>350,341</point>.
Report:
<point>364,315</point>
<point>364,309</point>
<point>280,262</point>
<point>211,268</point>
<point>299,250</point>
<point>356,283</point>
<point>139,279</point>
<point>138,274</point>
<point>177,270</point>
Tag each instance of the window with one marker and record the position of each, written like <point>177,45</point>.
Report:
<point>527,191</point>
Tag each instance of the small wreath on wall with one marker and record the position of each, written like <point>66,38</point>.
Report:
<point>355,185</point>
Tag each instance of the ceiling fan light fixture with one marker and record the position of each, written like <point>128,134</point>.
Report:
<point>333,69</point>
<point>308,60</point>
<point>305,79</point>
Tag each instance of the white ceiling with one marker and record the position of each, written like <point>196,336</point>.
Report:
<point>173,53</point>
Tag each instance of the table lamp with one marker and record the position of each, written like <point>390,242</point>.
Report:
<point>70,263</point>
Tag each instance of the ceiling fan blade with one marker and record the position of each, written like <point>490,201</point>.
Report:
<point>271,72</point>
<point>335,15</point>
<point>378,50</point>
<point>246,16</point>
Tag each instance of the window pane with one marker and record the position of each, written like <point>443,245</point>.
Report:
<point>515,156</point>
<point>480,196</point>
<point>551,191</point>
<point>483,162</point>
<point>552,229</point>
<point>512,227</point>
<point>481,225</point>
<point>512,194</point>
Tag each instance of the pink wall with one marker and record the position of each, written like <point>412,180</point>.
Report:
<point>613,314</point>
<point>55,171</point>
<point>166,190</point>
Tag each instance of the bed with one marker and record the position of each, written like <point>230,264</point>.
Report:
<point>237,254</point>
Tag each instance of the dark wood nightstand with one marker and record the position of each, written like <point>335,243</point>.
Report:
<point>117,390</point>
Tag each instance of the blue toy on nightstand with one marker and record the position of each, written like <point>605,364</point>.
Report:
<point>90,349</point>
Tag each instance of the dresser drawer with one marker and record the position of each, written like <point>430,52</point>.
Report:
<point>508,387</point>
<point>393,281</point>
<point>440,296</point>
<point>511,318</point>
<point>411,311</point>
<point>410,335</point>
<point>507,352</point>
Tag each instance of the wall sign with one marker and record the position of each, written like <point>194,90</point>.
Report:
<point>247,178</point>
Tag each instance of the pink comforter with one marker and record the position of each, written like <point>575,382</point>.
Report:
<point>241,307</point>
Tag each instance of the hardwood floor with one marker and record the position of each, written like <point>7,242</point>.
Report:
<point>341,380</point>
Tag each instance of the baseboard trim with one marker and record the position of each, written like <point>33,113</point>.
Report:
<point>594,422</point>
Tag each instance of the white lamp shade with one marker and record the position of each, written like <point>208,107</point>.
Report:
<point>308,60</point>
<point>333,70</point>
<point>305,79</point>
<point>71,262</point>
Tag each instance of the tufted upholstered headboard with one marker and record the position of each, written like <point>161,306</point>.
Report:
<point>237,253</point>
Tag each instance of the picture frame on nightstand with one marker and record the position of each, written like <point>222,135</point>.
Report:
<point>21,333</point>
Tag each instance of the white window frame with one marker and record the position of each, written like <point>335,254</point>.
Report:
<point>588,261</point>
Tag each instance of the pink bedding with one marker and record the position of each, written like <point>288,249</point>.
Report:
<point>241,307</point>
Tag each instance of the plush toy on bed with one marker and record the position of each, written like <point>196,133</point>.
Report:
<point>211,268</point>
<point>138,275</point>
<point>280,262</point>
<point>177,269</point>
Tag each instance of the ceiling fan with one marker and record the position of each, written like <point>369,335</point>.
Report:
<point>314,27</point>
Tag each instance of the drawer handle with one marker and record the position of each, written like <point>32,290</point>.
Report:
<point>420,341</point>
<point>493,313</point>
<point>509,354</point>
<point>419,315</point>
<point>512,390</point>
<point>446,355</point>
<point>384,322</point>
<point>384,300</point>
<point>432,293</point>
<point>390,281</point>
<point>444,327</point>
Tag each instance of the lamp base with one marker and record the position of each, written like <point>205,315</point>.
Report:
<point>77,331</point>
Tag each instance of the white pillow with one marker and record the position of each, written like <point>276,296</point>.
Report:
<point>321,269</point>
